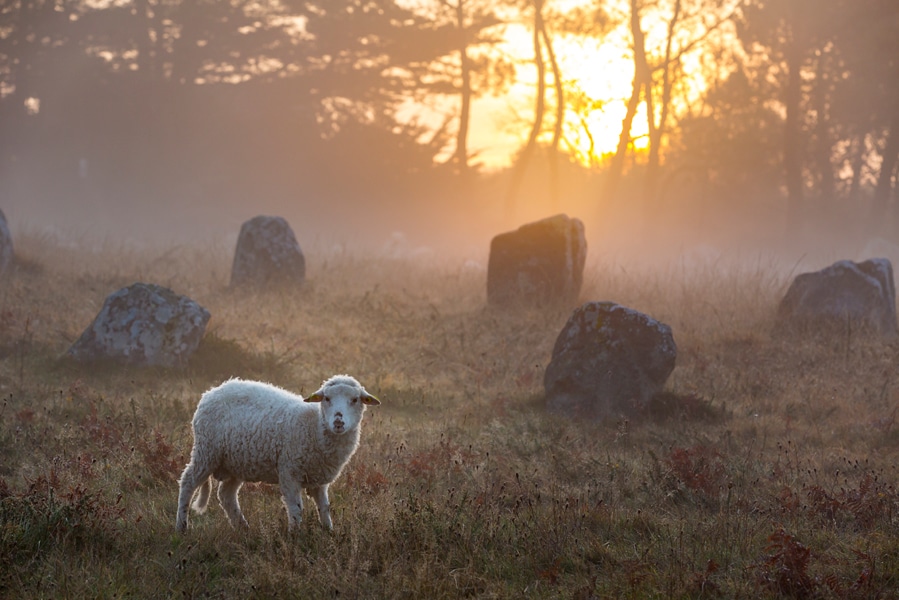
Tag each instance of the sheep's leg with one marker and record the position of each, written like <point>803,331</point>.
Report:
<point>190,479</point>
<point>320,495</point>
<point>291,491</point>
<point>228,489</point>
<point>202,498</point>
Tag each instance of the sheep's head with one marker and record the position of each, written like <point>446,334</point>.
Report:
<point>343,400</point>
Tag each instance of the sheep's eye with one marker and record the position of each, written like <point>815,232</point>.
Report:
<point>355,400</point>
<point>327,399</point>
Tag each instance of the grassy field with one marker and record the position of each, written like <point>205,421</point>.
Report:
<point>767,470</point>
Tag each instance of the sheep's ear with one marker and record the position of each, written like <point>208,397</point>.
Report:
<point>316,397</point>
<point>369,399</point>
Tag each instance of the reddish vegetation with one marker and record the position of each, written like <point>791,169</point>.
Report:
<point>700,468</point>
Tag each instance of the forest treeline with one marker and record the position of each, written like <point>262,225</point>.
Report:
<point>170,103</point>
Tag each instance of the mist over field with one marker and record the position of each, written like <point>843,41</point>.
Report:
<point>450,233</point>
<point>438,224</point>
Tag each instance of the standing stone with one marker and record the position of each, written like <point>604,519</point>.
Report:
<point>6,250</point>
<point>143,325</point>
<point>859,295</point>
<point>608,361</point>
<point>539,264</point>
<point>267,254</point>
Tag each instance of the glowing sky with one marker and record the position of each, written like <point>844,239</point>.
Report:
<point>603,70</point>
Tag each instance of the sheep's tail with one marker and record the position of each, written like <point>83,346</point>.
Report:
<point>201,500</point>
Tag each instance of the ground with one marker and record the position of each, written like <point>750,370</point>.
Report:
<point>767,469</point>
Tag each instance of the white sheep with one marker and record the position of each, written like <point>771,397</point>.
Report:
<point>253,431</point>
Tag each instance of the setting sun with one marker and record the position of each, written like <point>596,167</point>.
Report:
<point>602,72</point>
<point>598,75</point>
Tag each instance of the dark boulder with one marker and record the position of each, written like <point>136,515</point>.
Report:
<point>143,325</point>
<point>845,294</point>
<point>539,264</point>
<point>608,361</point>
<point>267,254</point>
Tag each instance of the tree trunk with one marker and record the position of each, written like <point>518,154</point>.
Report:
<point>792,145</point>
<point>521,165</point>
<point>560,117</point>
<point>858,162</point>
<point>146,51</point>
<point>883,191</point>
<point>645,75</point>
<point>823,146</point>
<point>656,132</point>
<point>616,166</point>
<point>461,157</point>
